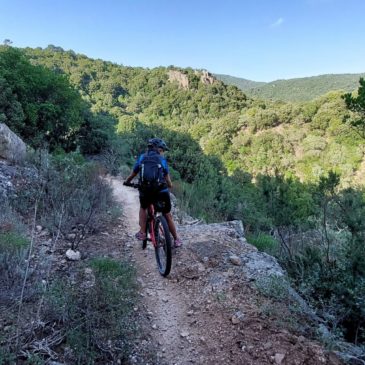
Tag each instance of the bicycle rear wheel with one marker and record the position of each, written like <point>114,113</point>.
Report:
<point>163,247</point>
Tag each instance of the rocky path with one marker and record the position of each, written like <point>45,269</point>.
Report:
<point>167,305</point>
<point>207,311</point>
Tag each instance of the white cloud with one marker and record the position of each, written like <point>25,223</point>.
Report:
<point>277,23</point>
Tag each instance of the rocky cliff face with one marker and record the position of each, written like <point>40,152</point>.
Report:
<point>207,78</point>
<point>180,78</point>
<point>12,148</point>
<point>183,80</point>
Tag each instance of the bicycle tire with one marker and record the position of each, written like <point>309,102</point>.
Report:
<point>163,247</point>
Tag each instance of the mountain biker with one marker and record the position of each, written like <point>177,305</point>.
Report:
<point>155,147</point>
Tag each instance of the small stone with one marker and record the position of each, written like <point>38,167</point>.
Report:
<point>278,358</point>
<point>154,326</point>
<point>235,260</point>
<point>201,267</point>
<point>73,255</point>
<point>235,320</point>
<point>184,334</point>
<point>38,228</point>
<point>190,313</point>
<point>44,233</point>
<point>165,300</point>
<point>71,236</point>
<point>237,317</point>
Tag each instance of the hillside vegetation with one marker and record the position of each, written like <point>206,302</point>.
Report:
<point>241,83</point>
<point>295,90</point>
<point>289,171</point>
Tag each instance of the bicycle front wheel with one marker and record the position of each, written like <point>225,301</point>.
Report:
<point>163,246</point>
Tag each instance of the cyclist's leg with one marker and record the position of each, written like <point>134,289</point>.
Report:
<point>171,224</point>
<point>144,203</point>
<point>142,219</point>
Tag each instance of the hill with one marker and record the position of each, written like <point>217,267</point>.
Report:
<point>298,89</point>
<point>243,84</point>
<point>259,137</point>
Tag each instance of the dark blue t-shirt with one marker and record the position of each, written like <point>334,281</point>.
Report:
<point>165,168</point>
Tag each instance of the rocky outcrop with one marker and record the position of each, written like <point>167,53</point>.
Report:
<point>227,244</point>
<point>12,148</point>
<point>207,78</point>
<point>180,78</point>
<point>183,80</point>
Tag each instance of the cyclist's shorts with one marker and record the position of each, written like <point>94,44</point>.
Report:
<point>162,197</point>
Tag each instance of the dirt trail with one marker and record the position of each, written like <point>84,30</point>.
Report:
<point>206,311</point>
<point>166,305</point>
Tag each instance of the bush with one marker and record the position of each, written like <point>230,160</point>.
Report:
<point>13,251</point>
<point>263,242</point>
<point>282,304</point>
<point>73,199</point>
<point>94,311</point>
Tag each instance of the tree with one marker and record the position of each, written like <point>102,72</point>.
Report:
<point>357,106</point>
<point>39,105</point>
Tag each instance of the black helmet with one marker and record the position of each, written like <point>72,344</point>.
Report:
<point>157,143</point>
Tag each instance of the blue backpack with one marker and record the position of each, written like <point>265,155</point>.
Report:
<point>152,177</point>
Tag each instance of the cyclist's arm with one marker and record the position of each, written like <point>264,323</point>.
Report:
<point>131,177</point>
<point>168,181</point>
<point>135,171</point>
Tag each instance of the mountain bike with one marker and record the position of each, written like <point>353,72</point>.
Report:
<point>157,232</point>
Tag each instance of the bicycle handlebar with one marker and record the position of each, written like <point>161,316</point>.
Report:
<point>132,185</point>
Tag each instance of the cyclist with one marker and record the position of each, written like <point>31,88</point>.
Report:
<point>155,147</point>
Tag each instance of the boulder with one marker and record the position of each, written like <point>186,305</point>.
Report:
<point>12,148</point>
<point>207,78</point>
<point>180,78</point>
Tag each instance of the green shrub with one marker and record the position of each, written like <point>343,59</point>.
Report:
<point>13,251</point>
<point>72,196</point>
<point>95,311</point>
<point>6,357</point>
<point>263,242</point>
<point>12,242</point>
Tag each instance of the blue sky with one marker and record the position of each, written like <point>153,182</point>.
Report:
<point>261,40</point>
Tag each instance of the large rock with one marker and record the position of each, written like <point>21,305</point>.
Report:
<point>12,148</point>
<point>180,78</point>
<point>207,78</point>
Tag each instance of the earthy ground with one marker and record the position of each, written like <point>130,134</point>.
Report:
<point>206,311</point>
